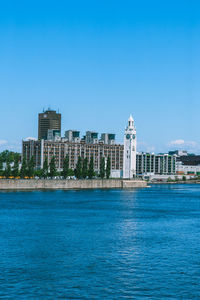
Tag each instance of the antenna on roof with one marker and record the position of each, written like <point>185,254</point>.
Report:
<point>58,110</point>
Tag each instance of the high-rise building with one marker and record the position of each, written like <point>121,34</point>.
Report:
<point>129,165</point>
<point>49,119</point>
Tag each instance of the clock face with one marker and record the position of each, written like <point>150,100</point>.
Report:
<point>128,136</point>
<point>133,136</point>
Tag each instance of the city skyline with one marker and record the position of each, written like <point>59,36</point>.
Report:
<point>174,145</point>
<point>98,63</point>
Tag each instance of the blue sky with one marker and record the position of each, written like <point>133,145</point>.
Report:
<point>99,61</point>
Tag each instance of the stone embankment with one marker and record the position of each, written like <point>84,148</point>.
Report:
<point>44,184</point>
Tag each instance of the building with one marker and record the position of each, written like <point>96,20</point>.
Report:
<point>178,152</point>
<point>124,160</point>
<point>190,170</point>
<point>72,136</point>
<point>91,137</point>
<point>155,164</point>
<point>49,119</point>
<point>44,149</point>
<point>188,165</point>
<point>147,164</point>
<point>53,134</point>
<point>108,138</point>
<point>50,144</point>
<point>129,164</point>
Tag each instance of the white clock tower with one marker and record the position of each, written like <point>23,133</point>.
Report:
<point>129,163</point>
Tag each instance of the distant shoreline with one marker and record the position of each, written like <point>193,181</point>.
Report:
<point>176,182</point>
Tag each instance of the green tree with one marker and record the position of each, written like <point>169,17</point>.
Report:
<point>15,171</point>
<point>23,171</point>
<point>184,178</point>
<point>30,170</point>
<point>91,168</point>
<point>65,172</point>
<point>108,168</point>
<point>78,170</point>
<point>102,167</point>
<point>38,173</point>
<point>8,171</point>
<point>9,156</point>
<point>85,168</point>
<point>45,168</point>
<point>1,168</point>
<point>52,166</point>
<point>71,172</point>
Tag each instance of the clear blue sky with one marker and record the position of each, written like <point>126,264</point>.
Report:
<point>99,61</point>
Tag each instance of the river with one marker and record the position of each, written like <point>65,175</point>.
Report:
<point>101,244</point>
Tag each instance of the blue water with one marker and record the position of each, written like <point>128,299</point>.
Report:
<point>101,244</point>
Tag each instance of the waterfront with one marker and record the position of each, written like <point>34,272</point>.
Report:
<point>101,244</point>
<point>54,184</point>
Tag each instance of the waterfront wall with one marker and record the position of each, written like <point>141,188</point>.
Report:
<point>40,184</point>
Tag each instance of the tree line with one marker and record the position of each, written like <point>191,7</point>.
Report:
<point>27,170</point>
<point>84,169</point>
<point>9,156</point>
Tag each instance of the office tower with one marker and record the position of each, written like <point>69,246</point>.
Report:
<point>49,119</point>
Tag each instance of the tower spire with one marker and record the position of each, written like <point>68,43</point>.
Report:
<point>131,122</point>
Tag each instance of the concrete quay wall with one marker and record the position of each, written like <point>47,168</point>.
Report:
<point>44,184</point>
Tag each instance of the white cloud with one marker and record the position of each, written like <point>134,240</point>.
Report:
<point>176,142</point>
<point>179,144</point>
<point>3,142</point>
<point>10,145</point>
<point>183,143</point>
